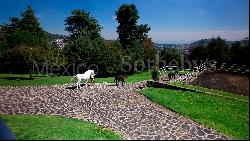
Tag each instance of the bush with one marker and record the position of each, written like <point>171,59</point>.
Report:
<point>155,75</point>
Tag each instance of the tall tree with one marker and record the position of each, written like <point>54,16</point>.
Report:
<point>128,30</point>
<point>127,16</point>
<point>81,23</point>
<point>27,26</point>
<point>85,44</point>
<point>29,22</point>
<point>22,37</point>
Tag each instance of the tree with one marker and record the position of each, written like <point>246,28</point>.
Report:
<point>85,42</point>
<point>131,35</point>
<point>142,31</point>
<point>218,50</point>
<point>22,41</point>
<point>149,51</point>
<point>81,23</point>
<point>239,53</point>
<point>112,61</point>
<point>31,24</point>
<point>127,16</point>
<point>198,53</point>
<point>79,51</point>
<point>128,30</point>
<point>170,54</point>
<point>27,28</point>
<point>10,29</point>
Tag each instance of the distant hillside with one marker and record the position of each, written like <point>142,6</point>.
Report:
<point>1,31</point>
<point>205,42</point>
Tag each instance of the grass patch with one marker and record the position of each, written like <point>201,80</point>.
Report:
<point>211,91</point>
<point>228,116</point>
<point>137,77</point>
<point>31,127</point>
<point>23,79</point>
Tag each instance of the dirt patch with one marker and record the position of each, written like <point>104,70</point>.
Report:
<point>229,82</point>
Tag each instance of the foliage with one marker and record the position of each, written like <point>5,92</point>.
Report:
<point>218,50</point>
<point>55,58</point>
<point>85,48</point>
<point>133,58</point>
<point>10,29</point>
<point>80,23</point>
<point>171,56</point>
<point>229,116</point>
<point>43,127</point>
<point>25,38</point>
<point>24,42</point>
<point>198,53</point>
<point>113,57</point>
<point>127,16</point>
<point>79,51</point>
<point>155,74</point>
<point>239,53</point>
<point>128,30</point>
<point>149,52</point>
<point>142,31</point>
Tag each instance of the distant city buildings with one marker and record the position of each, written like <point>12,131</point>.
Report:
<point>245,41</point>
<point>60,42</point>
<point>203,42</point>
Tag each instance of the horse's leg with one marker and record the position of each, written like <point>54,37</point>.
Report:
<point>117,83</point>
<point>123,82</point>
<point>77,84</point>
<point>86,81</point>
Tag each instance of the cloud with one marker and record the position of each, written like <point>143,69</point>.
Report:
<point>189,36</point>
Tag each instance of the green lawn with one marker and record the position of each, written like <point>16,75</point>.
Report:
<point>137,77</point>
<point>23,79</point>
<point>212,91</point>
<point>31,127</point>
<point>226,115</point>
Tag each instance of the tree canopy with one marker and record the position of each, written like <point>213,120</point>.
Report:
<point>128,30</point>
<point>81,23</point>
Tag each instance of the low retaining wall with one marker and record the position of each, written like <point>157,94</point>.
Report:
<point>167,86</point>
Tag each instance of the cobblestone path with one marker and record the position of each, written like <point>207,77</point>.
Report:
<point>123,109</point>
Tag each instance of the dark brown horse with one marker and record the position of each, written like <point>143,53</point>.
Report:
<point>120,77</point>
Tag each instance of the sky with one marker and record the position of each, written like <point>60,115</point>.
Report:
<point>171,21</point>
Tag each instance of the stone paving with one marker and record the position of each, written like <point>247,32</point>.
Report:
<point>123,109</point>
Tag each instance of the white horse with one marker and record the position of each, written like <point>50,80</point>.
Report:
<point>89,74</point>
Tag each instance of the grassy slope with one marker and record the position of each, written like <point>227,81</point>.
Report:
<point>228,116</point>
<point>212,91</point>
<point>22,79</point>
<point>30,127</point>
